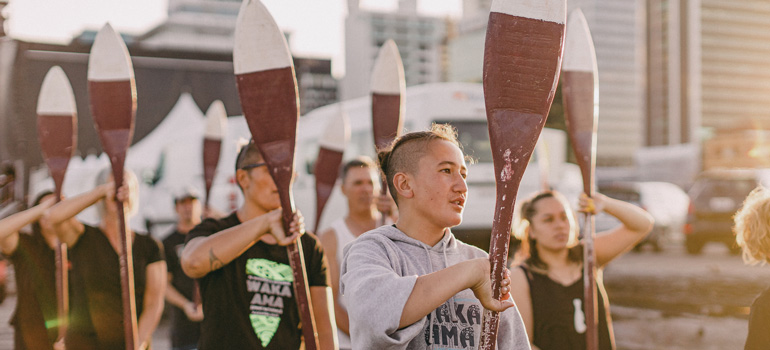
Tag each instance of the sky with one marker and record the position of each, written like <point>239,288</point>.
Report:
<point>316,26</point>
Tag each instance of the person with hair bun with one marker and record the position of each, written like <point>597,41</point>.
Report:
<point>96,308</point>
<point>33,258</point>
<point>752,233</point>
<point>548,286</point>
<point>412,285</point>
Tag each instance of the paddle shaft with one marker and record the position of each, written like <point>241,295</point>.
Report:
<point>126,261</point>
<point>519,85</point>
<point>57,136</point>
<point>62,272</point>
<point>589,284</point>
<point>578,91</point>
<point>297,262</point>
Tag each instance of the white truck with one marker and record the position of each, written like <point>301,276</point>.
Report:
<point>460,104</point>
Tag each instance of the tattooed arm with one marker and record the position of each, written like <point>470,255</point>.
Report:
<point>202,255</point>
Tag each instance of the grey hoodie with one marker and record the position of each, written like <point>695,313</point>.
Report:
<point>378,272</point>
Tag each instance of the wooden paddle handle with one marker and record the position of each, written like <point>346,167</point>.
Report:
<point>589,284</point>
<point>301,290</point>
<point>126,266</point>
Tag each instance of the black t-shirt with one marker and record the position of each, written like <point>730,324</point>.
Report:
<point>183,331</point>
<point>96,305</point>
<point>249,303</point>
<point>759,323</point>
<point>35,267</point>
<point>558,316</point>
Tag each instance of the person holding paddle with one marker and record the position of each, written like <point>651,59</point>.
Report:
<point>243,270</point>
<point>96,311</point>
<point>33,258</point>
<point>186,314</point>
<point>361,187</point>
<point>412,285</point>
<point>753,235</point>
<point>548,286</point>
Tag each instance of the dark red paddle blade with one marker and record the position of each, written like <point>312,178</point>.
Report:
<point>522,56</point>
<point>112,93</point>
<point>264,73</point>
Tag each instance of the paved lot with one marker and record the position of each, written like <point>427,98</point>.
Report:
<point>665,300</point>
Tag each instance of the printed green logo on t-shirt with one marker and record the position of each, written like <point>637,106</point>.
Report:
<point>270,282</point>
<point>269,270</point>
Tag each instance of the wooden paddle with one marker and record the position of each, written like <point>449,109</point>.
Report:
<point>327,165</point>
<point>112,93</point>
<point>216,124</point>
<point>57,121</point>
<point>522,57</point>
<point>580,91</point>
<point>388,101</point>
<point>267,87</point>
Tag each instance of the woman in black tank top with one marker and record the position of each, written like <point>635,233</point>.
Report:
<point>548,286</point>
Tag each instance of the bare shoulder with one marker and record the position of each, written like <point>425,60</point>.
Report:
<point>518,275</point>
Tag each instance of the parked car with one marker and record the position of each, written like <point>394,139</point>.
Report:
<point>666,202</point>
<point>715,196</point>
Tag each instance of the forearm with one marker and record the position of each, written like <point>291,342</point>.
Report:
<point>322,300</point>
<point>205,254</point>
<point>12,224</point>
<point>70,207</point>
<point>152,309</point>
<point>432,290</point>
<point>341,316</point>
<point>148,322</point>
<point>632,217</point>
<point>175,298</point>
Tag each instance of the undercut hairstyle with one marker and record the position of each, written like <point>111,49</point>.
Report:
<point>523,225</point>
<point>404,152</point>
<point>752,227</point>
<point>359,162</point>
<point>248,154</point>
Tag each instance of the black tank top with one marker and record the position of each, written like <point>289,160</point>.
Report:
<point>557,314</point>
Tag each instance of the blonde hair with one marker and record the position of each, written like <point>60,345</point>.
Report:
<point>133,183</point>
<point>752,227</point>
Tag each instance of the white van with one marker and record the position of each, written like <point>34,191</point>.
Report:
<point>460,104</point>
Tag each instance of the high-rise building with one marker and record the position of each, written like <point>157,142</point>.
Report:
<point>708,76</point>
<point>420,40</point>
<point>206,28</point>
<point>618,31</point>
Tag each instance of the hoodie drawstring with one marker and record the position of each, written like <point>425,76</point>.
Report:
<point>452,299</point>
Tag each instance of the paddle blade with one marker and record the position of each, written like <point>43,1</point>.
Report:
<point>57,124</point>
<point>327,166</point>
<point>388,95</point>
<point>267,88</point>
<point>112,92</point>
<point>268,92</point>
<point>522,57</point>
<point>580,91</point>
<point>216,124</point>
